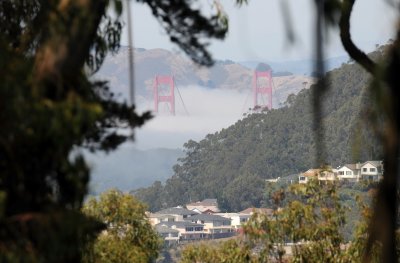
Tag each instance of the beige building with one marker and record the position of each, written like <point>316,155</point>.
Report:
<point>158,218</point>
<point>327,175</point>
<point>214,226</point>
<point>308,175</point>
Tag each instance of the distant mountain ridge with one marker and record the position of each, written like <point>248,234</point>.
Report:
<point>303,67</point>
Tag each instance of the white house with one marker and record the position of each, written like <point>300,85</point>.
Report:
<point>349,172</point>
<point>372,170</point>
<point>237,219</point>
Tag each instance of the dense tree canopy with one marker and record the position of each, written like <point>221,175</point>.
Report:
<point>128,237</point>
<point>305,226</point>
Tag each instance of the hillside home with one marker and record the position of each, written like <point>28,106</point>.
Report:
<point>169,235</point>
<point>349,172</point>
<point>210,205</point>
<point>237,219</point>
<point>372,170</point>
<point>308,175</point>
<point>251,210</point>
<point>187,230</point>
<point>214,226</point>
<point>327,175</point>
<point>158,218</point>
<point>179,213</point>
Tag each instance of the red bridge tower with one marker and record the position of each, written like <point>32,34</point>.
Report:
<point>262,85</point>
<point>159,95</point>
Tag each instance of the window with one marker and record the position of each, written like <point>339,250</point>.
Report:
<point>197,228</point>
<point>365,169</point>
<point>341,172</point>
<point>302,178</point>
<point>189,229</point>
<point>348,172</point>
<point>372,169</point>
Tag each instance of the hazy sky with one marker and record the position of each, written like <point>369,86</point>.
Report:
<point>257,30</point>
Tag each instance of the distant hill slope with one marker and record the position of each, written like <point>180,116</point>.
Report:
<point>232,164</point>
<point>223,75</point>
<point>128,168</point>
<point>299,67</point>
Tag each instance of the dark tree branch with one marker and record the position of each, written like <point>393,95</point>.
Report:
<point>383,224</point>
<point>355,53</point>
<point>60,57</point>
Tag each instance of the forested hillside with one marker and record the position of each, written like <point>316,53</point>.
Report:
<point>231,164</point>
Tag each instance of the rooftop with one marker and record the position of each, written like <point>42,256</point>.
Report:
<point>207,217</point>
<point>374,163</point>
<point>177,211</point>
<point>205,202</point>
<point>165,229</point>
<point>178,224</point>
<point>252,210</point>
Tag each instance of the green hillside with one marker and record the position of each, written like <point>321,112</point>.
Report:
<point>231,164</point>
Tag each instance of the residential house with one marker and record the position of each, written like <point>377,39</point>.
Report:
<point>349,172</point>
<point>372,170</point>
<point>170,235</point>
<point>251,210</point>
<point>158,218</point>
<point>210,205</point>
<point>237,219</point>
<point>187,230</point>
<point>327,175</point>
<point>179,213</point>
<point>308,175</point>
<point>214,226</point>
